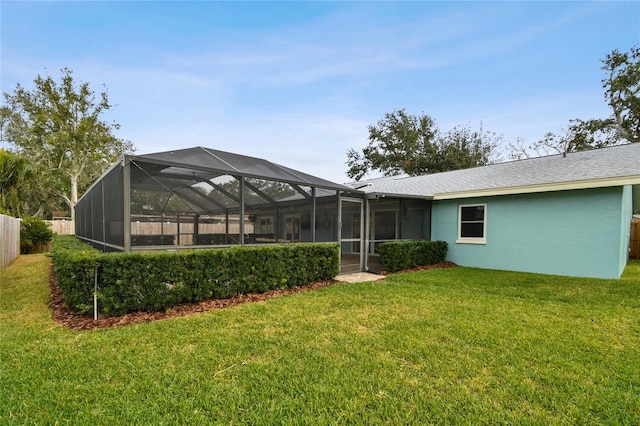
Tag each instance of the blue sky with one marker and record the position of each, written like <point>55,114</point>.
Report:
<point>298,83</point>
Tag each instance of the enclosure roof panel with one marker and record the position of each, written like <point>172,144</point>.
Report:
<point>225,163</point>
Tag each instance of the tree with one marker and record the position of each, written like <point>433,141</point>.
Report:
<point>59,129</point>
<point>34,233</point>
<point>22,193</point>
<point>574,138</point>
<point>405,143</point>
<point>463,148</point>
<point>622,94</point>
<point>14,180</point>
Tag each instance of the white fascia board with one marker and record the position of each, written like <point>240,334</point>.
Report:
<point>547,187</point>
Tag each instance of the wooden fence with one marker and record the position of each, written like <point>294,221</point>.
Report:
<point>66,227</point>
<point>9,239</point>
<point>634,247</point>
<point>62,227</point>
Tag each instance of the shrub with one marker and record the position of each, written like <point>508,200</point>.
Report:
<point>155,281</point>
<point>34,233</point>
<point>74,264</point>
<point>400,255</point>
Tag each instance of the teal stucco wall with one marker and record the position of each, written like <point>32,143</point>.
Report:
<point>576,233</point>
<point>625,213</point>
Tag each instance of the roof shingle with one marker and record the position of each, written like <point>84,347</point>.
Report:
<point>596,165</point>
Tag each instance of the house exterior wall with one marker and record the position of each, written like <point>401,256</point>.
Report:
<point>575,233</point>
<point>625,215</point>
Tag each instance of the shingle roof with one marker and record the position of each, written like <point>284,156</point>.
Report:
<point>585,168</point>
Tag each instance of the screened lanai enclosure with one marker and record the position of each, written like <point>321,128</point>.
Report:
<point>203,198</point>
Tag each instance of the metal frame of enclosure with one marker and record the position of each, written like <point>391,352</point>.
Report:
<point>200,197</point>
<point>203,198</point>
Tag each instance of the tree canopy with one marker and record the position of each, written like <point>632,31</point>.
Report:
<point>60,130</point>
<point>406,143</point>
<point>622,94</point>
<point>21,192</point>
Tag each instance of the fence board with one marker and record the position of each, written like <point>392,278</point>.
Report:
<point>634,246</point>
<point>62,227</point>
<point>66,227</point>
<point>9,240</point>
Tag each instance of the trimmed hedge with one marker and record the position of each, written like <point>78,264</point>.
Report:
<point>156,281</point>
<point>74,264</point>
<point>400,255</point>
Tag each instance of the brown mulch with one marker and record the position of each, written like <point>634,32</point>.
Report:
<point>66,317</point>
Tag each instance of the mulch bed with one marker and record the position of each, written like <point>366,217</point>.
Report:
<point>66,317</point>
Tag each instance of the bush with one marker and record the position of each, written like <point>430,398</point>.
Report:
<point>400,255</point>
<point>74,264</point>
<point>34,234</point>
<point>156,281</point>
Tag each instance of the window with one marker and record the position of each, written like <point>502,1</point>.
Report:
<point>472,225</point>
<point>266,225</point>
<point>292,228</point>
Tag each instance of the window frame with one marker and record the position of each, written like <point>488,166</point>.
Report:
<point>291,233</point>
<point>270,224</point>
<point>472,240</point>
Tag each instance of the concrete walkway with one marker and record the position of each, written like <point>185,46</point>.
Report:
<point>359,277</point>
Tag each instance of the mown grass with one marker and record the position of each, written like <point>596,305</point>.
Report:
<point>457,345</point>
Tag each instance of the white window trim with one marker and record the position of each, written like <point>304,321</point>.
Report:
<point>472,240</point>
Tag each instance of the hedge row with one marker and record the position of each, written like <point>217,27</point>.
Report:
<point>400,255</point>
<point>155,281</point>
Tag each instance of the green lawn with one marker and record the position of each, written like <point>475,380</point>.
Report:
<point>457,345</point>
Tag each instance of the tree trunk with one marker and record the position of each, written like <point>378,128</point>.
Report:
<point>74,197</point>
